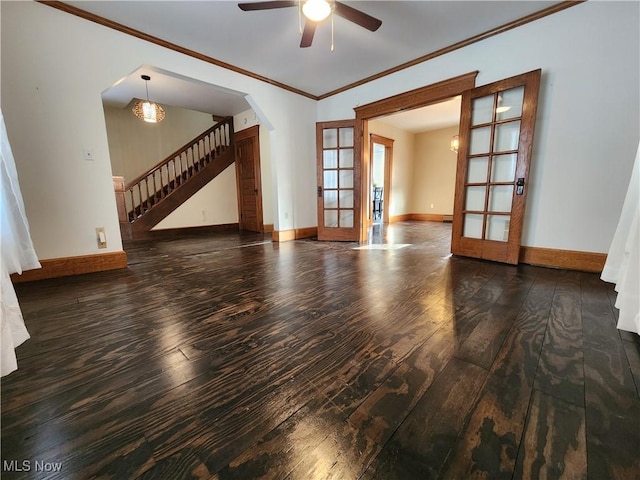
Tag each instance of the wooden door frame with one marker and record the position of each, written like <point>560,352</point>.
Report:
<point>420,97</point>
<point>250,133</point>
<point>388,161</point>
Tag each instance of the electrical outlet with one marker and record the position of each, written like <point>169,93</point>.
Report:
<point>101,237</point>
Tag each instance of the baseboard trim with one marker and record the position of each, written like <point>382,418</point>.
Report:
<point>65,266</point>
<point>566,259</point>
<point>177,232</point>
<point>294,234</point>
<point>267,228</point>
<point>427,217</point>
<point>400,218</point>
<point>419,217</point>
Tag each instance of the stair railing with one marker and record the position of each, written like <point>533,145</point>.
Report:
<point>150,188</point>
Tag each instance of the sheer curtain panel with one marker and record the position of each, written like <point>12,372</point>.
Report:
<point>16,254</point>
<point>623,261</point>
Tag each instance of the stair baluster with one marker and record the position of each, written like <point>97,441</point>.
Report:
<point>161,181</point>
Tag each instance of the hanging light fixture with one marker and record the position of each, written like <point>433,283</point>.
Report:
<point>148,111</point>
<point>455,143</point>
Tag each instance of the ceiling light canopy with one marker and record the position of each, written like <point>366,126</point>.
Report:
<point>148,111</point>
<point>316,10</point>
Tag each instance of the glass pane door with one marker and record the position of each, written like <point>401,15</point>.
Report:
<point>337,173</point>
<point>496,132</point>
<point>492,158</point>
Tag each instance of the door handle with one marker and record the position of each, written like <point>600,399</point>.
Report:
<point>520,186</point>
<point>319,191</point>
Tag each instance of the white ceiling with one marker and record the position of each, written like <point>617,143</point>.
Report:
<point>266,43</point>
<point>168,88</point>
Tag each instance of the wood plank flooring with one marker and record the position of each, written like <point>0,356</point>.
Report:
<point>227,356</point>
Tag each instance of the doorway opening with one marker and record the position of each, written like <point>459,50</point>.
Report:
<point>381,158</point>
<point>399,207</point>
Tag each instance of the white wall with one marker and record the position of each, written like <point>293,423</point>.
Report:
<point>434,172</point>
<point>588,123</point>
<point>54,67</point>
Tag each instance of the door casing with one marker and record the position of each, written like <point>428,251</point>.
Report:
<point>420,97</point>
<point>251,135</point>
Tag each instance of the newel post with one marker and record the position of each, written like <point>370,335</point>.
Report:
<point>118,187</point>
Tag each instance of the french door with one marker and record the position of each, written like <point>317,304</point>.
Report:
<point>496,137</point>
<point>338,195</point>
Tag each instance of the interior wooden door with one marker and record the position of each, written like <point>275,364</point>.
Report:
<point>339,181</point>
<point>496,137</point>
<point>247,150</point>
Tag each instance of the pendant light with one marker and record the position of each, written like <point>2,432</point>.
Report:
<point>146,110</point>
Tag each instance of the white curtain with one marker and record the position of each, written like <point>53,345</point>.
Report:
<point>16,254</point>
<point>623,261</point>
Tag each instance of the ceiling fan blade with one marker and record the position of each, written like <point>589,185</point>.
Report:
<point>307,34</point>
<point>247,7</point>
<point>357,17</point>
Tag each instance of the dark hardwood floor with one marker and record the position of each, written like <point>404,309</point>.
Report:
<point>226,356</point>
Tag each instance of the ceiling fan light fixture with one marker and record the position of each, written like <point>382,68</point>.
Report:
<point>146,110</point>
<point>316,10</point>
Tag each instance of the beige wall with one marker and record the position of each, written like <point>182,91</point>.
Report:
<point>434,172</point>
<point>136,146</point>
<point>402,166</point>
<point>423,171</point>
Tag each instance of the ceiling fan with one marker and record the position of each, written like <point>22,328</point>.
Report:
<point>315,11</point>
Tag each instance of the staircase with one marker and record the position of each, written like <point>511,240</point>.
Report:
<point>145,201</point>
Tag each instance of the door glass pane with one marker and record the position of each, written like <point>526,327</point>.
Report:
<point>475,199</point>
<point>346,137</point>
<point>477,171</point>
<point>330,159</point>
<point>346,178</point>
<point>346,198</point>
<point>346,158</point>
<point>500,197</point>
<point>480,140</point>
<point>482,110</point>
<point>330,199</point>
<point>330,179</point>
<point>510,104</point>
<point>346,218</point>
<point>330,137</point>
<point>330,218</point>
<point>472,226</point>
<point>498,227</point>
<point>506,137</point>
<point>503,168</point>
